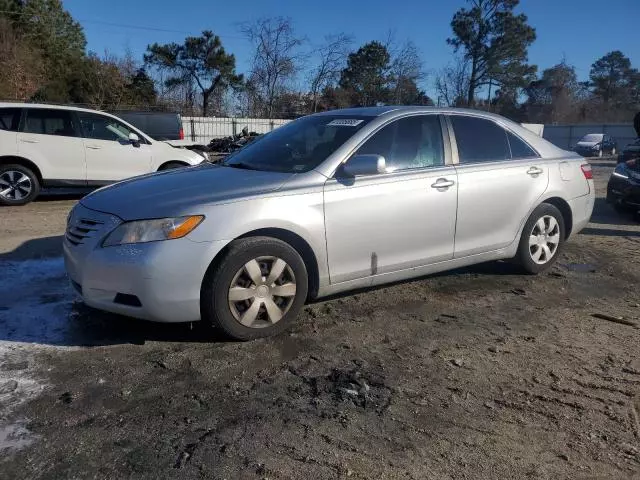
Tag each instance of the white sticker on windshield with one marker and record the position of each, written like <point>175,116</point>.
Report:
<point>345,122</point>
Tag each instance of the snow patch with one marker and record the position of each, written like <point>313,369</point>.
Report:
<point>35,305</point>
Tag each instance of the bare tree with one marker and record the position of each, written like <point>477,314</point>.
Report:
<point>452,83</point>
<point>406,72</point>
<point>21,66</point>
<point>276,59</point>
<point>332,57</point>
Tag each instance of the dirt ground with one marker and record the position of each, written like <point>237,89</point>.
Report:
<point>477,373</point>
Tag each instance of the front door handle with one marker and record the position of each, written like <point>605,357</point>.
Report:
<point>443,183</point>
<point>534,171</point>
<point>94,147</point>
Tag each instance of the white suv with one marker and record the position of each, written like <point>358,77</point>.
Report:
<point>54,146</point>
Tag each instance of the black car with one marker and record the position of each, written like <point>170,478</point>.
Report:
<point>630,152</point>
<point>623,190</point>
<point>158,125</point>
<point>596,145</point>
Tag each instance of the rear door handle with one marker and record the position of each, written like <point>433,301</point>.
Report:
<point>29,140</point>
<point>534,171</point>
<point>443,183</point>
<point>94,147</point>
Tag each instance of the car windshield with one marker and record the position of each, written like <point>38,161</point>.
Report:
<point>592,137</point>
<point>298,146</point>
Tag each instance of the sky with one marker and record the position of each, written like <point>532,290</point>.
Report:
<point>580,31</point>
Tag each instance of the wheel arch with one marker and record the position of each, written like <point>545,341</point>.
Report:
<point>565,209</point>
<point>16,160</point>
<point>174,162</point>
<point>294,240</point>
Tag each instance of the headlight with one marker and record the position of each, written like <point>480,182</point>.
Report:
<point>621,171</point>
<point>141,231</point>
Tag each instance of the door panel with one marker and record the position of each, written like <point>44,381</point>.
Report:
<point>389,222</point>
<point>110,155</point>
<point>382,223</point>
<point>493,201</point>
<point>110,161</point>
<point>500,179</point>
<point>52,138</point>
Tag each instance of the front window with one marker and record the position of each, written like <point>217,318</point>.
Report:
<point>298,146</point>
<point>592,137</point>
<point>101,127</point>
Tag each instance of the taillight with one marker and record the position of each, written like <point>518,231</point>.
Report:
<point>586,170</point>
<point>181,133</point>
<point>632,162</point>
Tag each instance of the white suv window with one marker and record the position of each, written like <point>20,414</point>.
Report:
<point>100,127</point>
<point>44,121</point>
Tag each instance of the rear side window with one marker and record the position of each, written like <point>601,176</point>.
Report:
<point>50,122</point>
<point>480,140</point>
<point>519,149</point>
<point>9,119</point>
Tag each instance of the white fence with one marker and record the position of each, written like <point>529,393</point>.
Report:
<point>566,136</point>
<point>204,129</point>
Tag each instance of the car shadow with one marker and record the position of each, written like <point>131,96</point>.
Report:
<point>605,214</point>
<point>610,232</point>
<point>44,247</point>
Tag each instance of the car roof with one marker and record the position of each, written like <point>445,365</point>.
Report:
<point>47,105</point>
<point>403,109</point>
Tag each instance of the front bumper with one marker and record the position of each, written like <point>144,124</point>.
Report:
<point>624,191</point>
<point>587,152</point>
<point>158,281</point>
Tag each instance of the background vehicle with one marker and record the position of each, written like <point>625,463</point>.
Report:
<point>623,189</point>
<point>158,125</point>
<point>596,145</point>
<point>630,152</point>
<point>56,146</point>
<point>327,203</point>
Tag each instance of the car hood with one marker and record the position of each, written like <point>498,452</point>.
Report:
<point>177,192</point>
<point>586,144</point>
<point>178,153</point>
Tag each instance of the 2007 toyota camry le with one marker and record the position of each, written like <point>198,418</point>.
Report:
<point>327,203</point>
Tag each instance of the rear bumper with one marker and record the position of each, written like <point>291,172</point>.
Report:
<point>582,208</point>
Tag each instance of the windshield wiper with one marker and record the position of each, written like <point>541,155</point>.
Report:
<point>244,166</point>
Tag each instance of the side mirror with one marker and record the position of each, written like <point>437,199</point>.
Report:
<point>365,165</point>
<point>134,139</point>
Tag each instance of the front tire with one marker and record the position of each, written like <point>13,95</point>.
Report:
<point>257,290</point>
<point>542,239</point>
<point>18,185</point>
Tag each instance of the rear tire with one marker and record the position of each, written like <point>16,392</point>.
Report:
<point>18,185</point>
<point>542,239</point>
<point>256,290</point>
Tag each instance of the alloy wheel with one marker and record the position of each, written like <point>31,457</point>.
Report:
<point>15,185</point>
<point>262,292</point>
<point>544,239</point>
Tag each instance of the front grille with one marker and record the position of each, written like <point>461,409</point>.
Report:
<point>79,230</point>
<point>86,227</point>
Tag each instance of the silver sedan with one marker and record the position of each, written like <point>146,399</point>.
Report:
<point>328,203</point>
